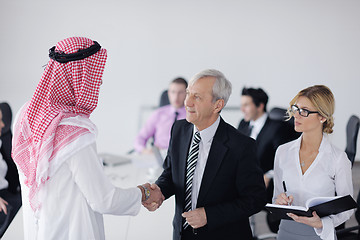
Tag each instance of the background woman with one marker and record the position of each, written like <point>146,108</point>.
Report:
<point>3,182</point>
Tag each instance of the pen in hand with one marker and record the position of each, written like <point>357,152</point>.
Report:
<point>285,191</point>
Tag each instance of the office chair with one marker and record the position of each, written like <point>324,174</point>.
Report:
<point>164,99</point>
<point>349,233</point>
<point>352,131</point>
<point>280,114</point>
<point>277,113</point>
<point>12,194</point>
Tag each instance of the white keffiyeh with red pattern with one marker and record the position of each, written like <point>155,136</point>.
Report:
<point>57,116</point>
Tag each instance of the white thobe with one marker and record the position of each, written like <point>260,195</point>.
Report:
<point>76,197</point>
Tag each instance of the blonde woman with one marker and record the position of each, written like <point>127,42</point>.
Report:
<point>311,166</point>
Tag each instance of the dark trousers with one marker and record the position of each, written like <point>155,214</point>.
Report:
<point>14,201</point>
<point>273,224</point>
<point>204,234</point>
<point>190,234</point>
<point>196,234</point>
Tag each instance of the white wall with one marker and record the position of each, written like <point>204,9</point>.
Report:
<point>282,46</point>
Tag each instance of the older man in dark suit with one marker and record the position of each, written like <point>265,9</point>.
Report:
<point>211,168</point>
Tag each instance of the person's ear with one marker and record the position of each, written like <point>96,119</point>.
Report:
<point>219,105</point>
<point>322,119</point>
<point>261,107</point>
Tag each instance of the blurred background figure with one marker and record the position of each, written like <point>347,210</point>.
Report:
<point>3,182</point>
<point>268,133</point>
<point>158,126</point>
<point>10,196</point>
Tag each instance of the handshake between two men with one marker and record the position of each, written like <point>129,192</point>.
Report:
<point>152,198</point>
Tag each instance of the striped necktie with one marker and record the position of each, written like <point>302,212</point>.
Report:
<point>190,169</point>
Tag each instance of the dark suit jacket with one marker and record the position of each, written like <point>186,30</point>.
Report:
<point>232,187</point>
<point>272,135</point>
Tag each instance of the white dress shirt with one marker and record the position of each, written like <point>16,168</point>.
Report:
<point>257,125</point>
<point>329,173</point>
<point>207,136</point>
<point>76,197</point>
<point>3,170</point>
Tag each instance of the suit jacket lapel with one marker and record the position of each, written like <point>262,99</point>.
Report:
<point>263,129</point>
<point>184,150</point>
<point>217,152</point>
<point>244,128</point>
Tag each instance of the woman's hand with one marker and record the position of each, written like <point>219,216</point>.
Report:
<point>282,199</point>
<point>314,221</point>
<point>3,204</point>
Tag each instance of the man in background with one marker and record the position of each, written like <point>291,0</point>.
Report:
<point>268,133</point>
<point>159,124</point>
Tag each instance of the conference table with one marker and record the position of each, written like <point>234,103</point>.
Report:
<point>146,225</point>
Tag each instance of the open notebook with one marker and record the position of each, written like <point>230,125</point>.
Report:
<point>324,206</point>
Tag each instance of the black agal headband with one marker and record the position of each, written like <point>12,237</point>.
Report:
<point>80,54</point>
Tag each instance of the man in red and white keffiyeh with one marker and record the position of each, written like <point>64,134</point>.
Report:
<point>64,92</point>
<point>63,187</point>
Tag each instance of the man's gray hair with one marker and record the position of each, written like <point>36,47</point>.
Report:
<point>222,87</point>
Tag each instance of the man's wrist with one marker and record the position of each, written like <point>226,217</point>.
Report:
<point>145,192</point>
<point>142,193</point>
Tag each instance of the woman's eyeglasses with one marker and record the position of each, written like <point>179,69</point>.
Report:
<point>302,112</point>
